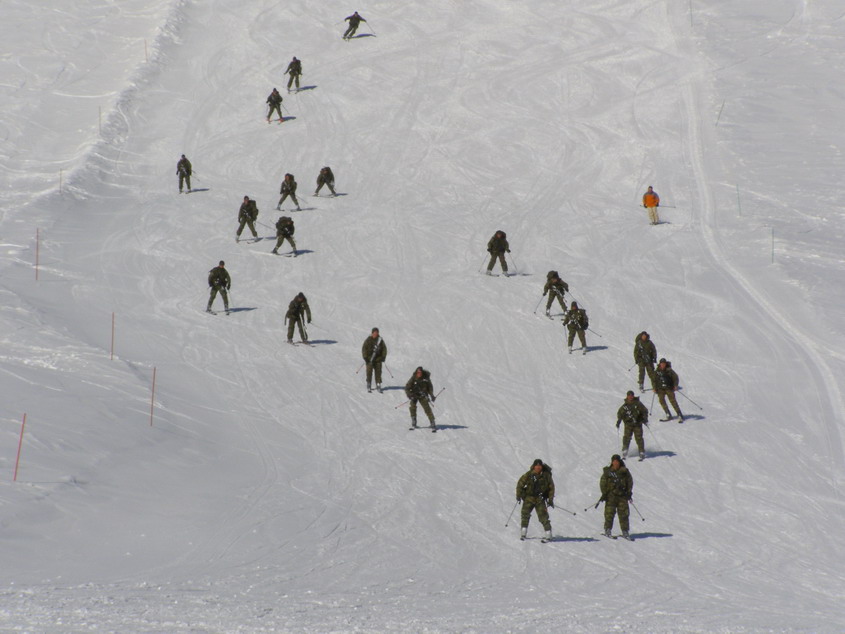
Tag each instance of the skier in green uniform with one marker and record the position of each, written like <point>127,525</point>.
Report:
<point>666,382</point>
<point>536,490</point>
<point>617,487</point>
<point>220,282</point>
<point>275,103</point>
<point>184,170</point>
<point>284,231</point>
<point>295,71</point>
<point>497,246</point>
<point>354,20</point>
<point>419,389</point>
<point>325,177</point>
<point>298,310</point>
<point>576,322</point>
<point>645,354</point>
<point>555,288</point>
<point>288,188</point>
<point>247,215</point>
<point>374,352</point>
<point>634,415</point>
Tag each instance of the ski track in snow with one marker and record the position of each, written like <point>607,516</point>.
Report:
<point>273,493</point>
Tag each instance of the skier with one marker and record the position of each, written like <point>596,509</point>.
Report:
<point>536,490</point>
<point>634,414</point>
<point>497,246</point>
<point>325,177</point>
<point>665,383</point>
<point>354,20</point>
<point>295,71</point>
<point>645,354</point>
<point>374,352</point>
<point>275,103</point>
<point>219,281</point>
<point>419,388</point>
<point>577,322</point>
<point>555,287</point>
<point>184,170</point>
<point>617,487</point>
<point>297,309</point>
<point>247,215</point>
<point>288,188</point>
<point>284,231</point>
<point>651,201</point>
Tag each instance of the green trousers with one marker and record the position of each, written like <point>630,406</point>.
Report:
<point>531,503</point>
<point>613,506</point>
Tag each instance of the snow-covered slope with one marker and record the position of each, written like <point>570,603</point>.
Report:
<point>271,492</point>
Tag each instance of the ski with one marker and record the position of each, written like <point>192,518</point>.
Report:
<point>211,312</point>
<point>608,536</point>
<point>664,420</point>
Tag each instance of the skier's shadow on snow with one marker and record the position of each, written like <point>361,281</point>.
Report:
<point>201,189</point>
<point>304,209</point>
<point>318,342</point>
<point>573,539</point>
<point>694,417</point>
<point>596,348</point>
<point>242,309</point>
<point>300,89</point>
<point>660,454</point>
<point>520,274</point>
<point>393,387</point>
<point>644,535</point>
<point>439,427</point>
<point>290,117</point>
<point>303,252</point>
<point>360,35</point>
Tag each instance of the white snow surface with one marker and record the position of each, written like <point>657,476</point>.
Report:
<point>271,493</point>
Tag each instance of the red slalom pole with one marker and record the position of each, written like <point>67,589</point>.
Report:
<point>20,446</point>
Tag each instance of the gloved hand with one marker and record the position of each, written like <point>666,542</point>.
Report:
<point>433,398</point>
<point>518,499</point>
<point>508,250</point>
<point>629,497</point>
<point>603,498</point>
<point>309,321</point>
<point>619,422</point>
<point>550,503</point>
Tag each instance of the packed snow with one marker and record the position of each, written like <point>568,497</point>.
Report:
<point>256,486</point>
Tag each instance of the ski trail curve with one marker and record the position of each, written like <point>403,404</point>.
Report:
<point>829,394</point>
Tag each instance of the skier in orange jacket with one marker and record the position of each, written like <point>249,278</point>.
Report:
<point>651,201</point>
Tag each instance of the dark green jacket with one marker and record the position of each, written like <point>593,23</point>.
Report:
<point>288,186</point>
<point>417,388</point>
<point>248,211</point>
<point>634,413</point>
<point>498,245</point>
<point>184,167</point>
<point>294,68</point>
<point>219,277</point>
<point>531,485</point>
<point>297,309</point>
<point>559,287</point>
<point>325,176</point>
<point>374,350</point>
<point>284,226</point>
<point>275,99</point>
<point>576,319</point>
<point>644,351</point>
<point>616,485</point>
<point>665,379</point>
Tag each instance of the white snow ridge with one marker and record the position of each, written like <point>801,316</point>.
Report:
<point>260,488</point>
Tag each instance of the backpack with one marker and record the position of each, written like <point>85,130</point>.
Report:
<point>252,210</point>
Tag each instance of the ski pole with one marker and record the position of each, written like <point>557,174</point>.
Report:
<point>564,509</point>
<point>511,515</point>
<point>595,333</point>
<point>632,367</point>
<point>595,506</point>
<point>388,370</point>
<point>359,369</point>
<point>513,261</point>
<point>482,264</point>
<point>371,29</point>
<point>434,398</point>
<point>637,510</point>
<point>691,401</point>
<point>401,404</point>
<point>538,304</point>
<point>650,407</point>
